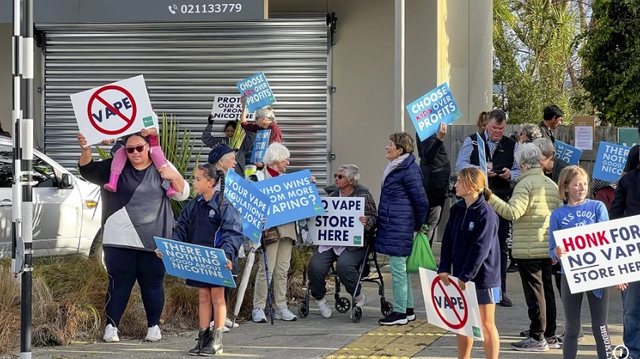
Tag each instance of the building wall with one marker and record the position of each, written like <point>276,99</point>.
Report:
<point>456,48</point>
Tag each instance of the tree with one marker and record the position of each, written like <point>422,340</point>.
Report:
<point>534,46</point>
<point>611,61</point>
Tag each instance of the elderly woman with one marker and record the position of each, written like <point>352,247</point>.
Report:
<point>529,132</point>
<point>402,211</point>
<point>222,157</point>
<point>348,259</point>
<point>550,164</point>
<point>278,243</point>
<point>534,197</point>
<point>265,118</point>
<point>132,216</point>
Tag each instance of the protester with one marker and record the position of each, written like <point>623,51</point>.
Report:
<point>278,244</point>
<point>265,118</point>
<point>128,229</point>
<point>436,169</point>
<point>208,221</point>
<point>578,210</point>
<point>470,252</point>
<point>229,129</point>
<point>348,260</point>
<point>550,164</point>
<point>534,197</point>
<point>626,203</point>
<point>119,156</point>
<point>552,117</point>
<point>402,211</point>
<point>502,169</point>
<point>528,133</point>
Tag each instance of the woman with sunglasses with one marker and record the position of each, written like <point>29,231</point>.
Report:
<point>348,259</point>
<point>131,217</point>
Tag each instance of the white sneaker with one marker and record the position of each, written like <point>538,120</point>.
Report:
<point>284,314</point>
<point>360,300</point>
<point>110,334</point>
<point>230,324</point>
<point>258,316</point>
<point>325,311</point>
<point>153,334</point>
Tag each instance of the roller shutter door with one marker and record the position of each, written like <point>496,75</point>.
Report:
<point>185,65</point>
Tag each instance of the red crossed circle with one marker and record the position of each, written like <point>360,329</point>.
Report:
<point>128,122</point>
<point>462,319</point>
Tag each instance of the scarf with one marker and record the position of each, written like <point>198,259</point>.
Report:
<point>392,165</point>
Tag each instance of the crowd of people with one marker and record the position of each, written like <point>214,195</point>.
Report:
<point>504,217</point>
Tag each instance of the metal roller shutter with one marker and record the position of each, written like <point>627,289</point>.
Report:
<point>184,65</point>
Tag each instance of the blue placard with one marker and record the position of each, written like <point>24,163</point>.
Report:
<point>432,108</point>
<point>250,202</point>
<point>293,196</point>
<point>567,153</point>
<point>482,158</point>
<point>191,261</point>
<point>260,145</point>
<point>257,91</point>
<point>610,161</point>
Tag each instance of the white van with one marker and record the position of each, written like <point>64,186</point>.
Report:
<point>66,212</point>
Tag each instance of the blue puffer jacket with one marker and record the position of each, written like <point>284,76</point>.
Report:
<point>403,208</point>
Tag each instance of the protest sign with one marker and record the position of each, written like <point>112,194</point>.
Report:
<point>449,307</point>
<point>567,153</point>
<point>628,136</point>
<point>292,196</point>
<point>340,224</point>
<point>432,108</point>
<point>227,108</point>
<point>191,261</point>
<point>249,201</point>
<point>482,158</point>
<point>601,254</point>
<point>113,110</point>
<point>257,91</point>
<point>610,161</point>
<point>260,145</point>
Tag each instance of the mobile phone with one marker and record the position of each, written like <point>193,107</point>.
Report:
<point>499,171</point>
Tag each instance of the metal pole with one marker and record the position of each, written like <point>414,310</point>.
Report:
<point>22,207</point>
<point>399,64</point>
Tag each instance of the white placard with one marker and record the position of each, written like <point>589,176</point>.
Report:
<point>449,307</point>
<point>601,254</point>
<point>340,224</point>
<point>228,108</point>
<point>584,137</point>
<point>113,110</point>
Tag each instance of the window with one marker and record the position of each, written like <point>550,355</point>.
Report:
<point>43,174</point>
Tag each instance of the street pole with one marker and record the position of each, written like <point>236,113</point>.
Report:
<point>22,200</point>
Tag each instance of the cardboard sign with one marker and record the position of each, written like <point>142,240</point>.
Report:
<point>567,153</point>
<point>227,108</point>
<point>584,127</point>
<point>432,108</point>
<point>610,161</point>
<point>191,261</point>
<point>257,91</point>
<point>113,110</point>
<point>260,145</point>
<point>482,158</point>
<point>601,254</point>
<point>250,202</point>
<point>628,136</point>
<point>292,196</point>
<point>340,224</point>
<point>449,307</point>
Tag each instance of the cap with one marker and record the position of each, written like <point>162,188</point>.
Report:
<point>217,152</point>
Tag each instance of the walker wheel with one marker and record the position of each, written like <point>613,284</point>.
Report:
<point>356,314</point>
<point>386,308</point>
<point>303,310</point>
<point>343,305</point>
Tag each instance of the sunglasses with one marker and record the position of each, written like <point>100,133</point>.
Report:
<point>138,148</point>
<point>338,176</point>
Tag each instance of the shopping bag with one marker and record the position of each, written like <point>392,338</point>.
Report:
<point>421,255</point>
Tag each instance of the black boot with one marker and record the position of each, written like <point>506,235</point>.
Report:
<point>214,346</point>
<point>206,347</point>
<point>204,336</point>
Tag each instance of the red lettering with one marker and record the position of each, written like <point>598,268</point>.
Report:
<point>580,242</point>
<point>602,238</point>
<point>591,240</point>
<point>568,244</point>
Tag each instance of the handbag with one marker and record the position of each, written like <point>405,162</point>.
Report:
<point>271,235</point>
<point>421,254</point>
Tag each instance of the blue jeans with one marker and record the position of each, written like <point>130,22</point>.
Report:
<point>631,319</point>
<point>402,291</point>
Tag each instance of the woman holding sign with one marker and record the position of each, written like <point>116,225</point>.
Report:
<point>573,187</point>
<point>471,252</point>
<point>403,209</point>
<point>132,216</point>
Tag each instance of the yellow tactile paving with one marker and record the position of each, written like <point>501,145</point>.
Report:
<point>390,342</point>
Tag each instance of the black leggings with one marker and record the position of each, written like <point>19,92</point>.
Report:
<point>572,304</point>
<point>125,267</point>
